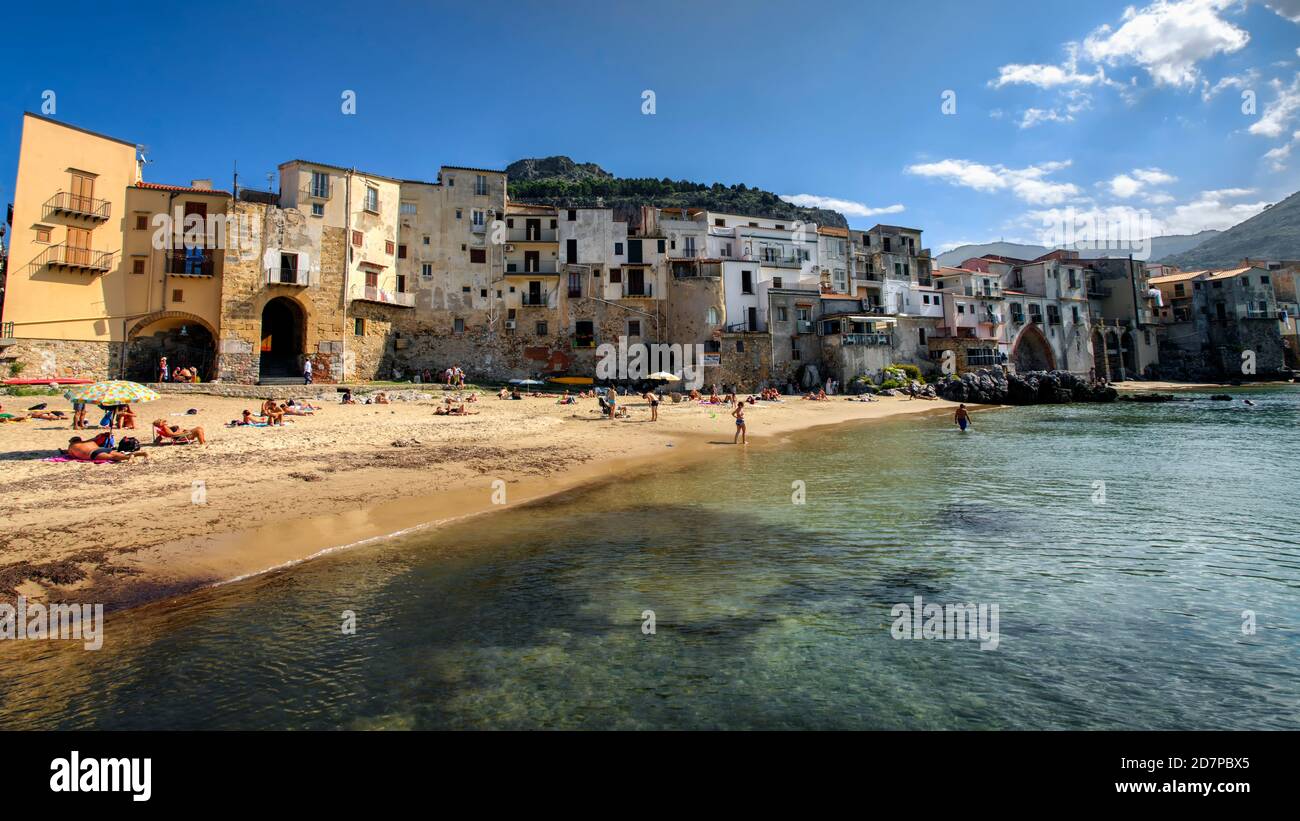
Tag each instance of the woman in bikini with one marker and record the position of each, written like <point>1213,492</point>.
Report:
<point>739,413</point>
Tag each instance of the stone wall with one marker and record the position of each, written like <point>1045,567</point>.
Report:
<point>62,358</point>
<point>745,362</point>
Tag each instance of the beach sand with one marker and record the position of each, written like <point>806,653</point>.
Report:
<point>255,499</point>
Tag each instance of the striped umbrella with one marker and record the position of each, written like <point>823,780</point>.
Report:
<point>112,392</point>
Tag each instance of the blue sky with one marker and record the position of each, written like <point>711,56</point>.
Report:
<point>1059,105</point>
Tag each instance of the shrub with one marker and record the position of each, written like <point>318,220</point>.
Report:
<point>16,368</point>
<point>911,371</point>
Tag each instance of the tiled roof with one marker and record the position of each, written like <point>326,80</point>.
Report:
<point>157,186</point>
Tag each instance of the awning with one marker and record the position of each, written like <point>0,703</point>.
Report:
<point>888,320</point>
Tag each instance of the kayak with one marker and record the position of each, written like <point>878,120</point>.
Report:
<point>571,380</point>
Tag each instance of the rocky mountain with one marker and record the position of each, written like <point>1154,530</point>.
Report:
<point>1161,247</point>
<point>1274,233</point>
<point>561,181</point>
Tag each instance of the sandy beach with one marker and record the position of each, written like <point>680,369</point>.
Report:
<point>256,499</point>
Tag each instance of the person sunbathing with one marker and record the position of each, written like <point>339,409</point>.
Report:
<point>346,398</point>
<point>714,399</point>
<point>290,409</point>
<point>381,398</point>
<point>54,416</point>
<point>90,450</point>
<point>272,412</point>
<point>247,418</point>
<point>304,405</point>
<point>473,397</point>
<point>566,399</point>
<point>504,393</point>
<point>175,434</point>
<point>460,410</point>
<point>695,395</point>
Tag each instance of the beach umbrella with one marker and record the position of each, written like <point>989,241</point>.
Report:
<point>112,392</point>
<point>665,376</point>
<point>526,382</point>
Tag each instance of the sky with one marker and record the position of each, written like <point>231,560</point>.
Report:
<point>971,121</point>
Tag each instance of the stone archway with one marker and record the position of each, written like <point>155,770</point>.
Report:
<point>283,337</point>
<point>1032,352</point>
<point>1101,366</point>
<point>187,340</point>
<point>1128,353</point>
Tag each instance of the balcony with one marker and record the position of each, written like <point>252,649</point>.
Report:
<point>78,259</point>
<point>317,192</point>
<point>190,262</point>
<point>803,326</point>
<point>522,267</point>
<point>65,204</point>
<point>383,296</point>
<point>287,276</point>
<point>979,360</point>
<point>644,291</point>
<point>534,235</point>
<point>1098,292</point>
<point>1255,313</point>
<point>779,261</point>
<point>868,339</point>
<point>541,299</point>
<point>687,268</point>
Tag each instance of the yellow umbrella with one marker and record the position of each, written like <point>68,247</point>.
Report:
<point>112,392</point>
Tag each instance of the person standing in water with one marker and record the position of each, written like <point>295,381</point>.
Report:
<point>962,417</point>
<point>739,413</point>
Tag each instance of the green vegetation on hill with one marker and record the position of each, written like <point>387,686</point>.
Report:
<point>560,181</point>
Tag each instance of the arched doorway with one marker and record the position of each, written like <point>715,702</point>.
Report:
<point>1099,355</point>
<point>1114,356</point>
<point>1129,351</point>
<point>283,329</point>
<point>1032,352</point>
<point>186,340</point>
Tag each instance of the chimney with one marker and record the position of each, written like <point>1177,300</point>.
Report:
<point>206,185</point>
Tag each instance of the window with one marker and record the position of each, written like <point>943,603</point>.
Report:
<point>372,279</point>
<point>1263,280</point>
<point>426,239</point>
<point>409,208</point>
<point>920,335</point>
<point>401,252</point>
<point>661,246</point>
<point>42,233</point>
<point>426,270</point>
<point>142,222</point>
<point>358,326</point>
<point>575,284</point>
<point>618,249</point>
<point>740,346</point>
<point>356,238</point>
<point>178,295</point>
<point>898,270</point>
<point>458,325</point>
<point>478,255</point>
<point>541,329</point>
<point>451,182</point>
<point>372,199</point>
<point>711,316</point>
<point>318,209</point>
<point>584,334</point>
<point>780,314</point>
<point>464,289</point>
<point>747,282</point>
<point>961,308</point>
<point>776,282</point>
<point>689,246</point>
<point>482,292</point>
<point>458,213</point>
<point>795,353</point>
<point>1074,312</point>
<point>320,184</point>
<point>401,283</point>
<point>388,247</point>
<point>137,265</point>
<point>573,215</point>
<point>480,185</point>
<point>803,314</point>
<point>721,223</point>
<point>925,298</point>
<point>615,274</point>
<point>634,327</point>
<point>476,217</point>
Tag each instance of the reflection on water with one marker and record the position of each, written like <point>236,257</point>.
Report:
<point>768,614</point>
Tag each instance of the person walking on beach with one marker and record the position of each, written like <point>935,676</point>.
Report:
<point>739,413</point>
<point>162,369</point>
<point>962,417</point>
<point>306,372</point>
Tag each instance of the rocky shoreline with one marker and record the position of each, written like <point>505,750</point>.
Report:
<point>992,387</point>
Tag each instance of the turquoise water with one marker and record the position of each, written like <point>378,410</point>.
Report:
<point>1126,614</point>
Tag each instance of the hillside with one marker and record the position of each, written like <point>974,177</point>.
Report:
<point>1161,247</point>
<point>561,181</point>
<point>1273,233</point>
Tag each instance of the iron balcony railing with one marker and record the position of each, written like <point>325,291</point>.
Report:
<point>1098,292</point>
<point>542,299</point>
<point>69,204</point>
<point>804,326</point>
<point>287,276</point>
<point>541,266</point>
<point>319,190</point>
<point>196,262</point>
<point>526,234</point>
<point>646,291</point>
<point>65,203</point>
<point>371,293</point>
<point>868,339</point>
<point>67,256</point>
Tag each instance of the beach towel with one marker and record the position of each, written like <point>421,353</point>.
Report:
<point>70,459</point>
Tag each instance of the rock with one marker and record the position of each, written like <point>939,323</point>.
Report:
<point>992,387</point>
<point>1221,397</point>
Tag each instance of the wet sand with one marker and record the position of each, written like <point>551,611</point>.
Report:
<point>256,499</point>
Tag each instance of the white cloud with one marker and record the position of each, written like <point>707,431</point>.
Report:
<point>1038,116</point>
<point>1278,156</point>
<point>1122,223</point>
<point>1168,38</point>
<point>846,207</point>
<point>1279,113</point>
<point>1290,9</point>
<point>1240,81</point>
<point>1047,76</point>
<point>1132,183</point>
<point>1026,183</point>
<point>1210,210</point>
